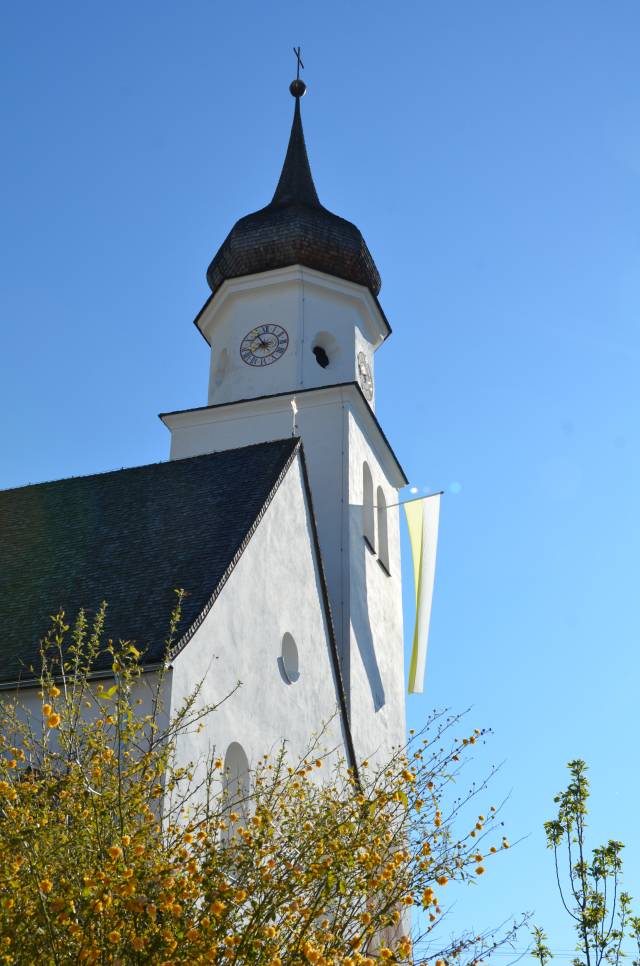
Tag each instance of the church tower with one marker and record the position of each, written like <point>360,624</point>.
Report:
<point>293,323</point>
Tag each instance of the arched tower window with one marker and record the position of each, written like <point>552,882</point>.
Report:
<point>236,785</point>
<point>368,520</point>
<point>383,535</point>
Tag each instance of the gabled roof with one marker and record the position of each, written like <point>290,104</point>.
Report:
<point>129,537</point>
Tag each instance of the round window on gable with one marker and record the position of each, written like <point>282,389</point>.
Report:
<point>288,660</point>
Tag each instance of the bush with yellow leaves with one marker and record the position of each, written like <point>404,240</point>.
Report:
<point>111,853</point>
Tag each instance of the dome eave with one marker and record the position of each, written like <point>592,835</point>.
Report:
<point>294,236</point>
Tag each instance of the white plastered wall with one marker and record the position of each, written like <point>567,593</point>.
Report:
<point>274,589</point>
<point>320,423</point>
<point>30,702</point>
<point>233,319</point>
<point>376,661</point>
<point>338,434</point>
<point>314,308</point>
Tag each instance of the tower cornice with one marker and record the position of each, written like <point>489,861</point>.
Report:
<point>377,322</point>
<point>348,393</point>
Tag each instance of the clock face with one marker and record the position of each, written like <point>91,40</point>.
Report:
<point>263,345</point>
<point>364,375</point>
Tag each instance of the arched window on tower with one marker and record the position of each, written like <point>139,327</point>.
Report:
<point>368,519</point>
<point>383,534</point>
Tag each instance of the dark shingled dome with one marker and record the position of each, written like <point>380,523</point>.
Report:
<point>294,229</point>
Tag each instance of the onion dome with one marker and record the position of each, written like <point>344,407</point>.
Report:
<point>295,229</point>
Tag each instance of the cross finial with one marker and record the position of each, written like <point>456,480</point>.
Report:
<point>298,87</point>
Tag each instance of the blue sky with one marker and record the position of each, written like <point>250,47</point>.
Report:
<point>490,153</point>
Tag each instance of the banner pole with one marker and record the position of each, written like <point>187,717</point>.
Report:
<point>416,498</point>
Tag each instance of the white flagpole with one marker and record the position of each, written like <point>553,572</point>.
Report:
<point>415,499</point>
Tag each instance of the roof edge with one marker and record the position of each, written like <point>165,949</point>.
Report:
<point>298,392</point>
<point>29,684</point>
<point>139,466</point>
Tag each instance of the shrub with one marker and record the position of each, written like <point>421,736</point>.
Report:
<point>111,851</point>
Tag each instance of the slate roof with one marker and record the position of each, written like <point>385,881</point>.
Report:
<point>295,229</point>
<point>129,537</point>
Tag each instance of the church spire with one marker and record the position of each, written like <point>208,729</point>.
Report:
<point>294,228</point>
<point>296,181</point>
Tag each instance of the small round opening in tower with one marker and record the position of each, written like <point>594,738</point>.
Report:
<point>321,356</point>
<point>325,348</point>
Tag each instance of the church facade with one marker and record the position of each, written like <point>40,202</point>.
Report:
<point>277,511</point>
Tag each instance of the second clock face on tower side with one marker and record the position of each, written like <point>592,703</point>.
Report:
<point>264,345</point>
<point>365,376</point>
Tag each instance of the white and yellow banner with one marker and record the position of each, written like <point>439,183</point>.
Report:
<point>423,517</point>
